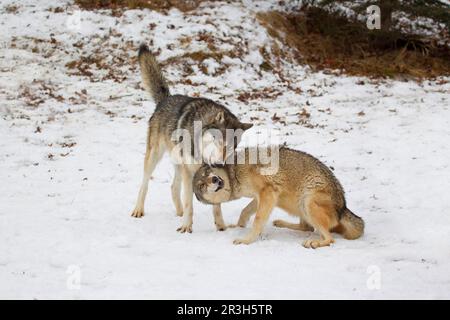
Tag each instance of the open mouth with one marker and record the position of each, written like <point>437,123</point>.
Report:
<point>218,182</point>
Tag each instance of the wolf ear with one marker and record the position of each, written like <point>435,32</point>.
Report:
<point>220,117</point>
<point>245,126</point>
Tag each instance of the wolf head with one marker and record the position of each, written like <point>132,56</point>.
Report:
<point>221,135</point>
<point>212,185</point>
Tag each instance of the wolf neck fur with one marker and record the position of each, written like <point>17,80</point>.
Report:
<point>233,179</point>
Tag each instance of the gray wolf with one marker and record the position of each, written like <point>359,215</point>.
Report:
<point>172,113</point>
<point>303,186</point>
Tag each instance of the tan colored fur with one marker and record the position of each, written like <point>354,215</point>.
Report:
<point>302,186</point>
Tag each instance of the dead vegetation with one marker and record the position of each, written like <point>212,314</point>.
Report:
<point>12,9</point>
<point>37,93</point>
<point>265,93</point>
<point>105,62</point>
<point>160,5</point>
<point>327,41</point>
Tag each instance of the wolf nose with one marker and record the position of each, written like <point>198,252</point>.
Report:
<point>214,180</point>
<point>220,183</point>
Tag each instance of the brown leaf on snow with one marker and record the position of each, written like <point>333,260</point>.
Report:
<point>275,118</point>
<point>304,114</point>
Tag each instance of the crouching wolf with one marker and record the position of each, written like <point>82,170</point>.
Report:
<point>302,186</point>
<point>178,112</point>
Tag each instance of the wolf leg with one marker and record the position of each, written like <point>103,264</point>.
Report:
<point>152,157</point>
<point>302,226</point>
<point>218,218</point>
<point>266,202</point>
<point>246,213</point>
<point>188,193</point>
<point>322,216</point>
<point>176,190</point>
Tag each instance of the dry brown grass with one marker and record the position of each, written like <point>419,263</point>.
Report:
<point>327,41</point>
<point>182,5</point>
<point>11,9</point>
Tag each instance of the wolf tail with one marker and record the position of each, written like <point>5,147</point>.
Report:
<point>152,77</point>
<point>350,225</point>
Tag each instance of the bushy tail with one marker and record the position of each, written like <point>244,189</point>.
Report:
<point>152,77</point>
<point>350,226</point>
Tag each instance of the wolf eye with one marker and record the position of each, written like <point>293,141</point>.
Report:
<point>214,179</point>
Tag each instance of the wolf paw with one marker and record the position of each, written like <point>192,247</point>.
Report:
<point>137,213</point>
<point>314,244</point>
<point>278,223</point>
<point>185,228</point>
<point>241,241</point>
<point>221,227</point>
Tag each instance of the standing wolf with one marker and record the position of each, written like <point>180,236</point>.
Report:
<point>303,186</point>
<point>178,112</point>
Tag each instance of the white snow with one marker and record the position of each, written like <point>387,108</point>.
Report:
<point>71,166</point>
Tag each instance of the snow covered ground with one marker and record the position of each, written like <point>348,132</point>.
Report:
<point>73,139</point>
